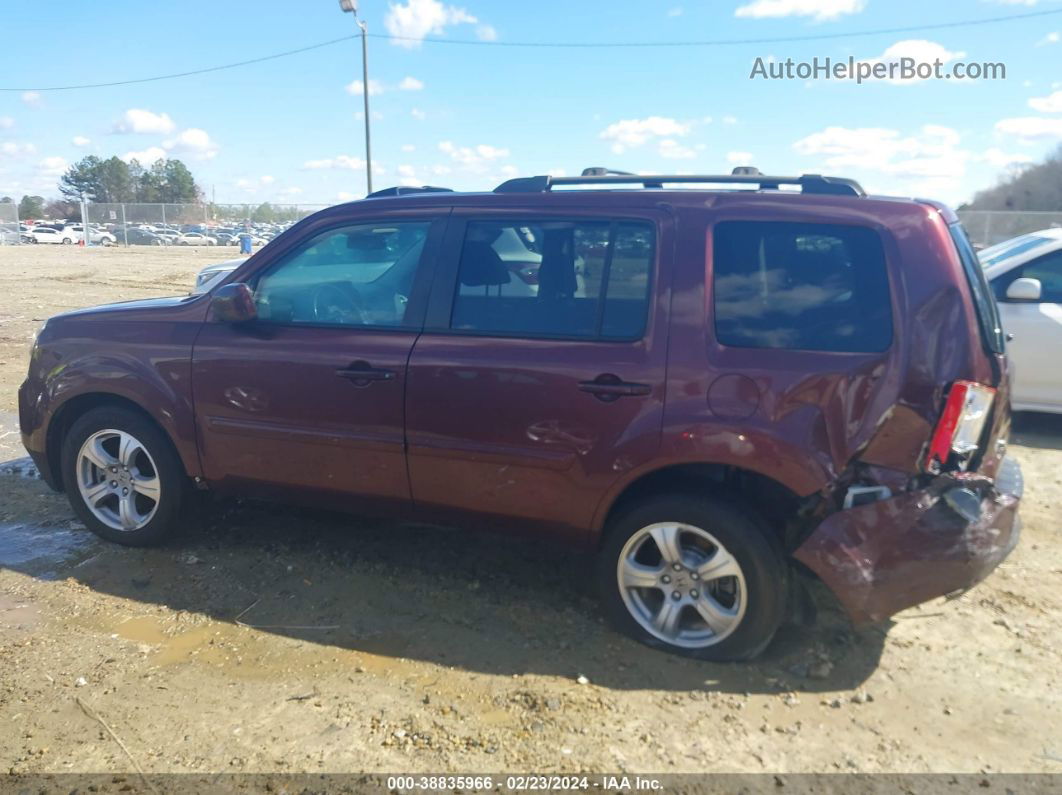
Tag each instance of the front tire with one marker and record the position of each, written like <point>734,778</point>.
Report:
<point>122,477</point>
<point>697,576</point>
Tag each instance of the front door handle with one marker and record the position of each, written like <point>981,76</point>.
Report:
<point>608,387</point>
<point>361,373</point>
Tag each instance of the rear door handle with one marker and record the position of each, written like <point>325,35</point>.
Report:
<point>608,387</point>
<point>361,373</point>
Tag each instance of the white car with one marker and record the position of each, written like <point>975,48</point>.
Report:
<point>211,275</point>
<point>1026,277</point>
<point>72,233</point>
<point>45,234</point>
<point>195,239</point>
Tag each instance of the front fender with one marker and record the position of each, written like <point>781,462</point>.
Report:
<point>160,385</point>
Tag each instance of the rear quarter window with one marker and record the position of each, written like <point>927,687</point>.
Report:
<point>800,286</point>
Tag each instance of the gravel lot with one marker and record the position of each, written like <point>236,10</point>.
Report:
<point>277,640</point>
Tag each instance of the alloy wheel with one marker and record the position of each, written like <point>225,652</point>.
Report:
<point>681,585</point>
<point>118,480</point>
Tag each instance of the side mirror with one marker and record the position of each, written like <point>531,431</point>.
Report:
<point>1024,290</point>
<point>234,303</point>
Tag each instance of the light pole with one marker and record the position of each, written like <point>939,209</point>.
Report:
<point>351,6</point>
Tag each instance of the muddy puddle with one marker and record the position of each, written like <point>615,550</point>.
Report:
<point>41,549</point>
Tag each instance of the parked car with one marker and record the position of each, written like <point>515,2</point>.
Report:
<point>745,388</point>
<point>212,275</point>
<point>1026,278</point>
<point>167,236</point>
<point>45,234</point>
<point>138,237</point>
<point>74,233</point>
<point>195,239</point>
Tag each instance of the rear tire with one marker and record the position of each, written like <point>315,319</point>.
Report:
<point>696,576</point>
<point>122,477</point>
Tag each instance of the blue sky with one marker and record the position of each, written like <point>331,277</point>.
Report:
<point>290,130</point>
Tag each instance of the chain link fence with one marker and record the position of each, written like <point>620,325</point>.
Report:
<point>988,227</point>
<point>8,224</point>
<point>158,224</point>
<point>128,224</point>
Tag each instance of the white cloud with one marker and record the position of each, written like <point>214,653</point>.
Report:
<point>344,196</point>
<point>406,171</point>
<point>819,10</point>
<point>32,98</point>
<point>53,166</point>
<point>474,158</point>
<point>1051,38</point>
<point>146,156</point>
<point>267,180</point>
<point>194,142</point>
<point>338,162</point>
<point>440,170</point>
<point>408,148</point>
<point>675,12</point>
<point>933,152</point>
<point>730,120</point>
<point>292,191</point>
<point>997,158</point>
<point>14,148</point>
<point>1029,128</point>
<point>409,84</point>
<point>486,33</point>
<point>739,158</point>
<point>137,120</point>
<point>919,51</point>
<point>418,114</point>
<point>929,161</point>
<point>357,88</point>
<point>557,172</point>
<point>1052,103</point>
<point>630,133</point>
<point>6,122</point>
<point>80,140</point>
<point>673,150</point>
<point>413,20</point>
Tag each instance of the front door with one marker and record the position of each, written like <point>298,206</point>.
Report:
<point>1037,330</point>
<point>539,380</point>
<point>309,397</point>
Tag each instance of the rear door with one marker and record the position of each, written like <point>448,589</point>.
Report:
<point>310,397</point>
<point>539,380</point>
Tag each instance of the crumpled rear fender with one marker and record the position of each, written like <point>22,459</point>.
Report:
<point>889,555</point>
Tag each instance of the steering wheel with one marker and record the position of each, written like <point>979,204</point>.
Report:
<point>336,306</point>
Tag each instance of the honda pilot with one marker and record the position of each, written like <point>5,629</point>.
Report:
<point>721,385</point>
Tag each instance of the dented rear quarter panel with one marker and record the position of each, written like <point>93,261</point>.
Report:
<point>807,416</point>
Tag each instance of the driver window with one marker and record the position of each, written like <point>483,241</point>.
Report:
<point>359,275</point>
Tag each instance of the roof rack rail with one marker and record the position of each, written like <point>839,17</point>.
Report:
<point>808,183</point>
<point>405,190</point>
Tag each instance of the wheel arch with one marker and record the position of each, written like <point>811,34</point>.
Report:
<point>776,502</point>
<point>76,407</point>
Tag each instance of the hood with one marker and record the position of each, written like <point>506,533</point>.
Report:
<point>122,307</point>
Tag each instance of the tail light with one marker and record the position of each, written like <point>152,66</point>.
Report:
<point>958,433</point>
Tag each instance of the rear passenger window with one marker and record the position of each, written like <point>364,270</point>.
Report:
<point>555,278</point>
<point>820,287</point>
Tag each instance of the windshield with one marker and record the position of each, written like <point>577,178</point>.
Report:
<point>1011,248</point>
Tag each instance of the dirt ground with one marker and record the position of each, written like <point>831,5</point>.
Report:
<point>275,640</point>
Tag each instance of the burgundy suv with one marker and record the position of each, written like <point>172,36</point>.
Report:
<point>715,389</point>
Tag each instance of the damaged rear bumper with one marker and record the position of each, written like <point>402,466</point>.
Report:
<point>889,555</point>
